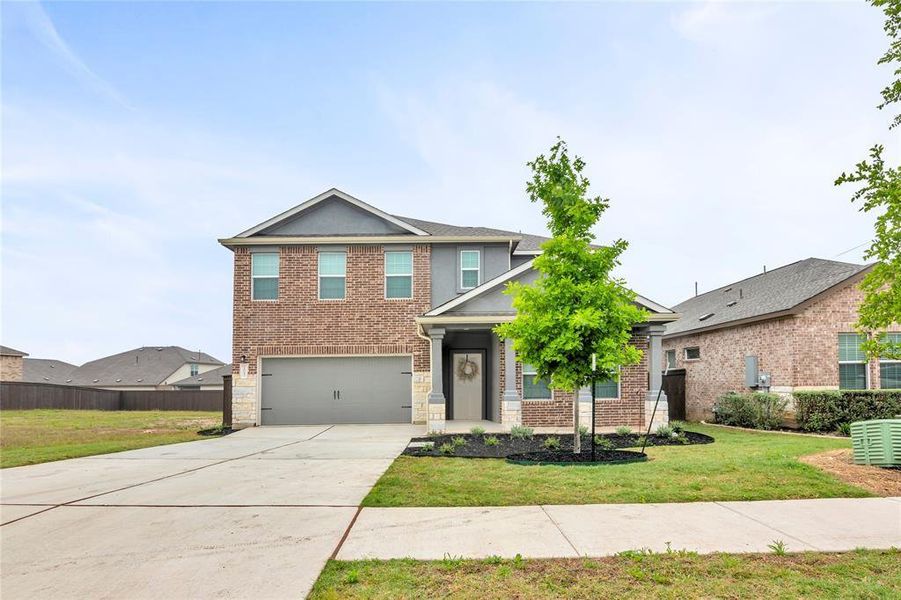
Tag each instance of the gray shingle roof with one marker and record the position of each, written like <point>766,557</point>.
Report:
<point>206,378</point>
<point>46,370</point>
<point>7,351</point>
<point>775,291</point>
<point>529,242</point>
<point>148,365</point>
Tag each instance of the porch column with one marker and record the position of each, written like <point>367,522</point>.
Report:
<point>436,407</point>
<point>655,379</point>
<point>511,409</point>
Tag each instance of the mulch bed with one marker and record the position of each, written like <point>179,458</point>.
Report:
<point>562,457</point>
<point>475,446</point>
<point>878,480</point>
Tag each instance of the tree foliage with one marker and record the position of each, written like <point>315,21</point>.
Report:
<point>879,189</point>
<point>575,308</point>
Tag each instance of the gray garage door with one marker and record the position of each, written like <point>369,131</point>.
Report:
<point>312,391</point>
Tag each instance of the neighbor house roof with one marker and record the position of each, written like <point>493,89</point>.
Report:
<point>772,294</point>
<point>46,370</point>
<point>148,365</point>
<point>7,351</point>
<point>211,377</point>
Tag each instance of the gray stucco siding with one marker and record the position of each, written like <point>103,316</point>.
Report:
<point>334,217</point>
<point>495,260</point>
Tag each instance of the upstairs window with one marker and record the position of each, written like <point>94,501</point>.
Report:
<point>332,275</point>
<point>470,268</point>
<point>693,353</point>
<point>533,388</point>
<point>670,359</point>
<point>852,362</point>
<point>194,370</point>
<point>890,369</point>
<point>264,275</point>
<point>398,275</point>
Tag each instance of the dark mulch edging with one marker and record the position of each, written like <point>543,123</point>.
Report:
<point>475,446</point>
<point>217,431</point>
<point>563,458</point>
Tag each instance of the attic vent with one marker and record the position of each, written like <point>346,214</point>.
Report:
<point>68,381</point>
<point>159,349</point>
<point>733,303</point>
<point>46,379</point>
<point>140,379</point>
<point>95,381</point>
<point>705,317</point>
<point>729,289</point>
<point>118,380</point>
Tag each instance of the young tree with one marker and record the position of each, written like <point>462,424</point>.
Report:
<point>575,308</point>
<point>880,190</point>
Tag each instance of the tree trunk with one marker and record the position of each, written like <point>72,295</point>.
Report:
<point>577,439</point>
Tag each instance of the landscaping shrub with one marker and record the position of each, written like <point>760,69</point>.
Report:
<point>664,431</point>
<point>491,440</point>
<point>828,410</point>
<point>520,432</point>
<point>623,430</point>
<point>552,443</point>
<point>756,410</point>
<point>458,441</point>
<point>477,430</point>
<point>446,448</point>
<point>603,443</point>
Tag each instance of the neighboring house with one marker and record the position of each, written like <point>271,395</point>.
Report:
<point>47,370</point>
<point>145,368</point>
<point>207,380</point>
<point>11,365</point>
<point>796,322</point>
<point>346,314</point>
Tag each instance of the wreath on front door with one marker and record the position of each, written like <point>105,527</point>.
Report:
<point>467,370</point>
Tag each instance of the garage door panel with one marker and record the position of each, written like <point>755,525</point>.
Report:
<point>299,391</point>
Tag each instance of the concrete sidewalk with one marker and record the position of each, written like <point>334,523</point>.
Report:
<point>837,524</point>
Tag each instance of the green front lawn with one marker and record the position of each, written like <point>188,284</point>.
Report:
<point>34,436</point>
<point>862,574</point>
<point>740,465</point>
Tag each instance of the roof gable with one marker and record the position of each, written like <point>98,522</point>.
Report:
<point>767,295</point>
<point>333,213</point>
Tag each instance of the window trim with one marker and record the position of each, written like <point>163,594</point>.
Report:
<point>522,381</point>
<point>478,269</point>
<point>865,363</point>
<point>666,355</point>
<point>320,276</point>
<point>385,269</point>
<point>685,353</point>
<point>253,277</point>
<point>194,370</point>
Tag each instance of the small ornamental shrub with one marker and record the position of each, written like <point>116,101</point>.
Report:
<point>845,429</point>
<point>644,440</point>
<point>551,443</point>
<point>477,430</point>
<point>521,433</point>
<point>603,443</point>
<point>756,410</point>
<point>583,430</point>
<point>664,431</point>
<point>827,410</point>
<point>623,430</point>
<point>428,447</point>
<point>678,426</point>
<point>458,441</point>
<point>447,448</point>
<point>491,440</point>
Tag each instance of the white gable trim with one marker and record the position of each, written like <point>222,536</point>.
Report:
<point>651,305</point>
<point>488,285</point>
<point>324,196</point>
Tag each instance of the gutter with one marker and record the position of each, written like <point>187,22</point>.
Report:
<point>381,239</point>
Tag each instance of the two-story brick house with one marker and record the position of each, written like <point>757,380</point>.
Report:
<point>795,323</point>
<point>346,314</point>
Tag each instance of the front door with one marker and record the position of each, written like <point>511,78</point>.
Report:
<point>468,376</point>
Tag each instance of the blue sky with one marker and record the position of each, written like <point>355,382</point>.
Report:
<point>134,135</point>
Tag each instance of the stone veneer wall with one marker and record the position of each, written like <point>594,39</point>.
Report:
<point>799,351</point>
<point>11,368</point>
<point>299,324</point>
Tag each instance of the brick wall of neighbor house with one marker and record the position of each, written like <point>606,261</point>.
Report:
<point>799,351</point>
<point>298,323</point>
<point>11,368</point>
<point>558,411</point>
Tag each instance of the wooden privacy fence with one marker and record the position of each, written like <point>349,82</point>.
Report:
<point>18,395</point>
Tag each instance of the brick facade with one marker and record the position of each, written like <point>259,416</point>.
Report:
<point>799,351</point>
<point>558,410</point>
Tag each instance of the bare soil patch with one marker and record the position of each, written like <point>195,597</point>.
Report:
<point>877,480</point>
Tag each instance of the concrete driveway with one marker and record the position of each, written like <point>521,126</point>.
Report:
<point>252,515</point>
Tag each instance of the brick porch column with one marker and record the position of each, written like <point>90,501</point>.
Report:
<point>436,405</point>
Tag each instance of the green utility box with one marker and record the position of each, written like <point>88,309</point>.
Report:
<point>877,442</point>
